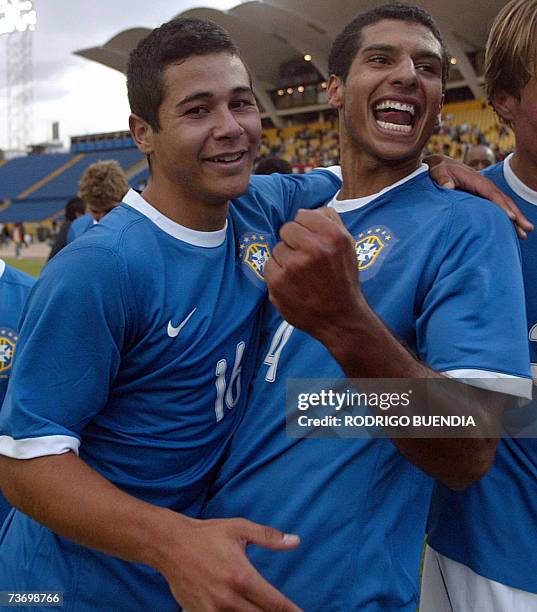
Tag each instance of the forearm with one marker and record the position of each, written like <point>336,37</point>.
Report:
<point>385,356</point>
<point>73,500</point>
<point>204,562</point>
<point>456,462</point>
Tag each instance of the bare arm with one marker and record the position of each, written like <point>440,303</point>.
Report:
<point>312,281</point>
<point>204,562</point>
<point>456,462</point>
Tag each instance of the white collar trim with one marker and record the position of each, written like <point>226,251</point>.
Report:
<point>186,234</point>
<point>2,267</point>
<point>348,205</point>
<point>334,170</point>
<point>520,188</point>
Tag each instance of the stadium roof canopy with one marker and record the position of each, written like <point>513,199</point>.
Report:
<point>272,32</point>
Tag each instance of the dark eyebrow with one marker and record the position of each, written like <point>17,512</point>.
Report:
<point>207,95</point>
<point>392,49</point>
<point>200,95</point>
<point>386,48</point>
<point>242,89</point>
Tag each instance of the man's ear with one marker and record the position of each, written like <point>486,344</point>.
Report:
<point>438,120</point>
<point>335,91</point>
<point>142,133</point>
<point>504,104</point>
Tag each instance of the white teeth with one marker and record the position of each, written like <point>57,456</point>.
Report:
<point>394,126</point>
<point>227,158</point>
<point>394,105</point>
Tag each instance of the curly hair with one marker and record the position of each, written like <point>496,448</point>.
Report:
<point>102,183</point>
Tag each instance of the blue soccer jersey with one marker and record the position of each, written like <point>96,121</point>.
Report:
<point>14,288</point>
<point>80,226</point>
<point>491,526</point>
<point>442,269</point>
<point>135,348</point>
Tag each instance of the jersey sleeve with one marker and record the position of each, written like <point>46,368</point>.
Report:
<point>472,321</point>
<point>68,353</point>
<point>71,233</point>
<point>295,191</point>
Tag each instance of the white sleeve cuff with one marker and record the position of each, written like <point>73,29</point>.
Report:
<point>494,381</point>
<point>30,448</point>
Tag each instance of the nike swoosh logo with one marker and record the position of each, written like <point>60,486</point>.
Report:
<point>174,331</point>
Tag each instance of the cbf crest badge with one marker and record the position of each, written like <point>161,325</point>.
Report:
<point>372,247</point>
<point>8,341</point>
<point>254,254</point>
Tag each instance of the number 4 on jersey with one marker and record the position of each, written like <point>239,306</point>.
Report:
<point>281,336</point>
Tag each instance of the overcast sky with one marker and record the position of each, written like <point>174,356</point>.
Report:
<point>85,97</point>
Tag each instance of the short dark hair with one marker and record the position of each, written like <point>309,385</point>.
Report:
<point>172,42</point>
<point>269,165</point>
<point>74,208</point>
<point>348,42</point>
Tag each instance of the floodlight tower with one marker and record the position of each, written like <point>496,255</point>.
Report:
<point>18,19</point>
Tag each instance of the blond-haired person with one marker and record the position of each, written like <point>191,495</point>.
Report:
<point>102,188</point>
<point>482,541</point>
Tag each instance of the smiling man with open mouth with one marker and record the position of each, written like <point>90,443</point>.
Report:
<point>395,115</point>
<point>432,277</point>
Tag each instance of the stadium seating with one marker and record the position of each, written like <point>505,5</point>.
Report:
<point>139,178</point>
<point>39,185</point>
<point>124,142</point>
<point>463,124</point>
<point>315,144</point>
<point>31,210</point>
<point>468,123</point>
<point>66,184</point>
<point>18,174</point>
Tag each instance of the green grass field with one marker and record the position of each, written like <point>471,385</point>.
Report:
<point>30,266</point>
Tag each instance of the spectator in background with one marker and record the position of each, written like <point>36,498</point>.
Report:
<point>270,165</point>
<point>18,237</point>
<point>74,209</point>
<point>102,188</point>
<point>4,235</point>
<point>479,157</point>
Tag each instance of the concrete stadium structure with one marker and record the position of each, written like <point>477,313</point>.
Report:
<point>272,32</point>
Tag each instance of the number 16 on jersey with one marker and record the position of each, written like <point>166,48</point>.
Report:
<point>232,392</point>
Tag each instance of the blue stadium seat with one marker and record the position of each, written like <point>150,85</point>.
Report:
<point>20,173</point>
<point>28,210</point>
<point>66,184</point>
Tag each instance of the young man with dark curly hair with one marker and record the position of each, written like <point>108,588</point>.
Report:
<point>438,294</point>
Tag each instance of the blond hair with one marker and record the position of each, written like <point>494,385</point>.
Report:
<point>102,183</point>
<point>511,54</point>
